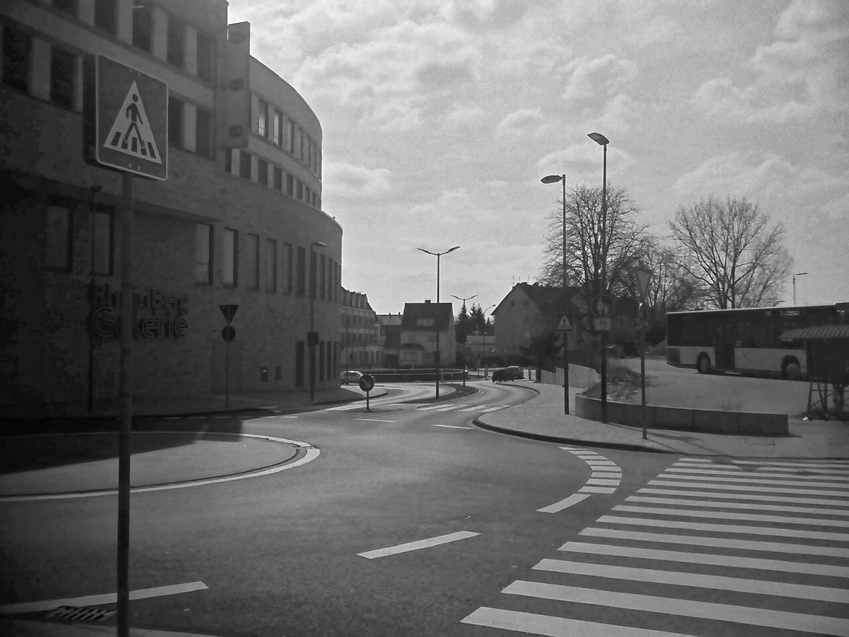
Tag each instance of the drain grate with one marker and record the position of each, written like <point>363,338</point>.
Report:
<point>76,613</point>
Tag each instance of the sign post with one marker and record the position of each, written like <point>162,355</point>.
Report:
<point>602,309</point>
<point>565,324</point>
<point>367,384</point>
<point>126,123</point>
<point>228,334</point>
<point>643,278</point>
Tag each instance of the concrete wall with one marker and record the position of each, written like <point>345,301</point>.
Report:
<point>578,376</point>
<point>699,420</point>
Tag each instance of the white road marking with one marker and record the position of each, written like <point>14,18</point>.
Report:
<point>735,505</point>
<point>725,528</point>
<point>489,409</point>
<point>758,480</point>
<point>311,454</point>
<point>746,487</point>
<point>745,496</point>
<point>606,490</point>
<point>97,600</point>
<point>430,407</point>
<point>724,515</point>
<point>687,557</point>
<point>549,626</point>
<point>603,483</point>
<point>683,608</point>
<point>718,582</point>
<point>718,542</point>
<point>565,503</point>
<point>453,427</point>
<point>473,408</point>
<point>679,473</point>
<point>449,408</point>
<point>601,463</point>
<point>606,474</point>
<point>420,544</point>
<point>806,465</point>
<point>374,420</point>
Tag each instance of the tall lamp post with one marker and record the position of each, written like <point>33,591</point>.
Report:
<point>435,321</point>
<point>460,298</point>
<point>600,139</point>
<point>553,179</point>
<point>794,284</point>
<point>313,335</point>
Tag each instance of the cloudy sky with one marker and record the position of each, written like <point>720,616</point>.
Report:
<point>441,116</point>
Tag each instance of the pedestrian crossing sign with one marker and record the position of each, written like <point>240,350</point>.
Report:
<point>131,120</point>
<point>565,322</point>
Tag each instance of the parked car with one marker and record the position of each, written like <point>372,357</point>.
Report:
<point>351,376</point>
<point>508,373</point>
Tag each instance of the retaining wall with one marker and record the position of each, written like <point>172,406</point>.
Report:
<point>578,376</point>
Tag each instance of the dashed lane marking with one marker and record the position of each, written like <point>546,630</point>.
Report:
<point>453,427</point>
<point>374,420</point>
<point>420,544</point>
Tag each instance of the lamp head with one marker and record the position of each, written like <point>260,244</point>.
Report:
<point>598,138</point>
<point>552,179</point>
<point>452,249</point>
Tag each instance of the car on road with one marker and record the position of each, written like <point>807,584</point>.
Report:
<point>350,376</point>
<point>508,373</point>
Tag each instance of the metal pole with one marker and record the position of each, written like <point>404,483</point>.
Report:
<point>311,340</point>
<point>126,402</point>
<point>436,324</point>
<point>604,286</point>
<point>227,376</point>
<point>643,379</point>
<point>94,191</point>
<point>565,334</point>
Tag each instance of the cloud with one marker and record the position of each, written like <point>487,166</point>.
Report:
<point>521,122</point>
<point>596,79</point>
<point>583,163</point>
<point>356,182</point>
<point>802,75</point>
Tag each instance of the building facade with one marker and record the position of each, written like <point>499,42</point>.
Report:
<point>238,221</point>
<point>360,331</point>
<point>421,326</point>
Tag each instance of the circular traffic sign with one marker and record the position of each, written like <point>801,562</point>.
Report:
<point>602,306</point>
<point>366,382</point>
<point>228,333</point>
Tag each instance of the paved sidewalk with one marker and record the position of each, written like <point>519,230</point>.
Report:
<point>542,418</point>
<point>19,628</point>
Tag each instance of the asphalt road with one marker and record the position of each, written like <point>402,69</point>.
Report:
<point>304,552</point>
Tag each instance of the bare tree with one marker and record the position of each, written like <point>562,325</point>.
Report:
<point>730,252</point>
<point>596,263</point>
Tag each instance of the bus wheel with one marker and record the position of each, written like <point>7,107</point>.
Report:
<point>703,364</point>
<point>791,369</point>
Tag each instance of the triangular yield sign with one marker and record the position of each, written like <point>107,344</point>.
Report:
<point>564,324</point>
<point>131,133</point>
<point>229,311</point>
<point>643,278</point>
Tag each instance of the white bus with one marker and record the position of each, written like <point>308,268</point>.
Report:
<point>746,340</point>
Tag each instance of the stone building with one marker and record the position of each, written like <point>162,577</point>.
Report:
<point>421,326</point>
<point>237,221</point>
<point>360,331</point>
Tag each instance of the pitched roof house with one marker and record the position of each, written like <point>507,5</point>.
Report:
<point>421,324</point>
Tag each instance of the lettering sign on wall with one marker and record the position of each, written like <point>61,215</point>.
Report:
<point>155,314</point>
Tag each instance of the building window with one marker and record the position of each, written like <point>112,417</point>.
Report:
<point>104,16</point>
<point>252,262</point>
<point>290,135</point>
<point>278,179</point>
<point>262,175</point>
<point>16,55</point>
<point>300,190</point>
<point>142,26</point>
<point>262,119</point>
<point>301,272</point>
<point>313,272</point>
<point>286,260</point>
<point>203,133</point>
<point>102,251</point>
<point>278,129</point>
<point>299,143</point>
<point>228,161</point>
<point>229,258</point>
<point>175,122</point>
<point>270,265</point>
<point>203,253</point>
<point>205,57</point>
<point>308,193</point>
<point>323,286</point>
<point>176,42</point>
<point>62,66</point>
<point>290,185</point>
<point>244,165</point>
<point>321,361</point>
<point>299,364</point>
<point>58,238</point>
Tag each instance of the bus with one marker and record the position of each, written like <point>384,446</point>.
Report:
<point>746,340</point>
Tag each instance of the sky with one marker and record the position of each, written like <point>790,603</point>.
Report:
<point>440,117</point>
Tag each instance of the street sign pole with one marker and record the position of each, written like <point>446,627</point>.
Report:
<point>566,373</point>
<point>228,334</point>
<point>127,220</point>
<point>643,372</point>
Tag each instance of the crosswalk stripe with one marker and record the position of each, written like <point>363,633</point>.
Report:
<point>549,626</point>
<point>698,580</point>
<point>718,542</point>
<point>746,487</point>
<point>725,528</point>
<point>565,503</point>
<point>601,463</point>
<point>724,515</point>
<point>738,472</point>
<point>745,496</point>
<point>757,480</point>
<point>687,557</point>
<point>430,407</point>
<point>736,505</point>
<point>806,464</point>
<point>604,483</point>
<point>683,607</point>
<point>605,490</point>
<point>607,474</point>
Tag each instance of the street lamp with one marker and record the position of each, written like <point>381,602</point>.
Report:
<point>600,139</point>
<point>553,179</point>
<point>460,298</point>
<point>794,284</point>
<point>435,321</point>
<point>312,338</point>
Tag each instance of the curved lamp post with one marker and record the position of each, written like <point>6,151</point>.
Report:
<point>553,179</point>
<point>794,284</point>
<point>600,139</point>
<point>313,335</point>
<point>468,298</point>
<point>435,321</point>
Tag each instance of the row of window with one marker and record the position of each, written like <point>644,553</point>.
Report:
<point>327,355</point>
<point>280,268</point>
<point>143,17</point>
<point>358,320</point>
<point>58,255</point>
<point>282,131</point>
<point>358,338</point>
<point>258,170</point>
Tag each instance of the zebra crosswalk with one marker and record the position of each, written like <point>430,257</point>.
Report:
<point>438,408</point>
<point>755,548</point>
